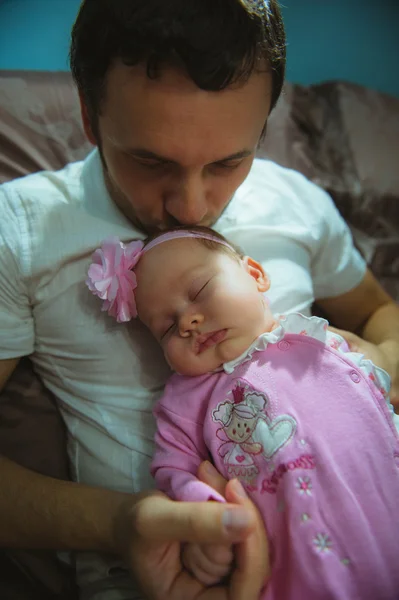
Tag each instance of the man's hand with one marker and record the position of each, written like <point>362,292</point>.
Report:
<point>152,530</point>
<point>379,355</point>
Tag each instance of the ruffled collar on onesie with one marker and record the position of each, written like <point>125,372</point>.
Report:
<point>314,327</point>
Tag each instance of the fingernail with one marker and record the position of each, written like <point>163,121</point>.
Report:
<point>236,520</point>
<point>239,489</point>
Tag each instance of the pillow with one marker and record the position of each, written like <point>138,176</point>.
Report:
<point>345,138</point>
<point>40,126</point>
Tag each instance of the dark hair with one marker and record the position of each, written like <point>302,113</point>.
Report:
<point>218,42</point>
<point>234,251</point>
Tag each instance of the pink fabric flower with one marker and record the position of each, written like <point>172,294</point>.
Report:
<point>110,277</point>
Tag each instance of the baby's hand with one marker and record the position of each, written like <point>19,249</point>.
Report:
<point>208,563</point>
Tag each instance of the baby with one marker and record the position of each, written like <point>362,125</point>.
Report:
<point>279,403</point>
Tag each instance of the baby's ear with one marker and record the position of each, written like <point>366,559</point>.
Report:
<point>256,271</point>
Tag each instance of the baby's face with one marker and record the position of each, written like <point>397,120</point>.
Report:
<point>203,306</point>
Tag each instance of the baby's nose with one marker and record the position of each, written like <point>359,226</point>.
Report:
<point>189,323</point>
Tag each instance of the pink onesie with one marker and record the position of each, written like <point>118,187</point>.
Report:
<point>306,426</point>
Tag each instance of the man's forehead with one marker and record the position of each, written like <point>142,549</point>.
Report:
<point>173,99</point>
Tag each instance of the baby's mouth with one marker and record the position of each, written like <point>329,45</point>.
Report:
<point>206,340</point>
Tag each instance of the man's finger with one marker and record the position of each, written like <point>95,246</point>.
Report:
<point>161,519</point>
<point>252,568</point>
<point>208,474</point>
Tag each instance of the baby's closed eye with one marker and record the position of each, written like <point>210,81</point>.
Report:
<point>199,292</point>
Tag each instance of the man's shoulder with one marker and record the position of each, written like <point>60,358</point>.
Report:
<point>275,194</point>
<point>267,176</point>
<point>45,188</point>
<point>38,207</point>
<point>267,189</point>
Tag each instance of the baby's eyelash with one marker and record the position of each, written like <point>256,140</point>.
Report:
<point>199,291</point>
<point>167,330</point>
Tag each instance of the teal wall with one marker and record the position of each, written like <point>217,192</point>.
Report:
<point>34,34</point>
<point>356,40</point>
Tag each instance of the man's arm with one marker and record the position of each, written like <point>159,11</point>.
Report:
<point>146,529</point>
<point>6,369</point>
<point>370,313</point>
<point>41,512</point>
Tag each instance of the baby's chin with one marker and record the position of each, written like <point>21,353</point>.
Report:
<point>214,358</point>
<point>195,367</point>
<point>204,365</point>
<point>195,370</point>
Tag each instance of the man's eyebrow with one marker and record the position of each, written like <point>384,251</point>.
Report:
<point>147,154</point>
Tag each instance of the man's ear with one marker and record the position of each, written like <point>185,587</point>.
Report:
<point>86,121</point>
<point>256,271</point>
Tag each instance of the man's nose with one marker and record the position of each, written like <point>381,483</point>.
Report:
<point>189,323</point>
<point>187,202</point>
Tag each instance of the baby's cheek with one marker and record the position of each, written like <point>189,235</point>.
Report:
<point>179,359</point>
<point>168,361</point>
<point>171,354</point>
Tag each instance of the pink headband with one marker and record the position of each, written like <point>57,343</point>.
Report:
<point>111,276</point>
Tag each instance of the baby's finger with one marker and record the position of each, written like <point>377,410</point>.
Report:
<point>205,570</point>
<point>218,553</point>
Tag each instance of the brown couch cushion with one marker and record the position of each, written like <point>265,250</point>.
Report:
<point>40,126</point>
<point>345,138</point>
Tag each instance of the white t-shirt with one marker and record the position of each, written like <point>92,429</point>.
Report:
<point>106,375</point>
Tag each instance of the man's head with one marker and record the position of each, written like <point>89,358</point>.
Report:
<point>176,94</point>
